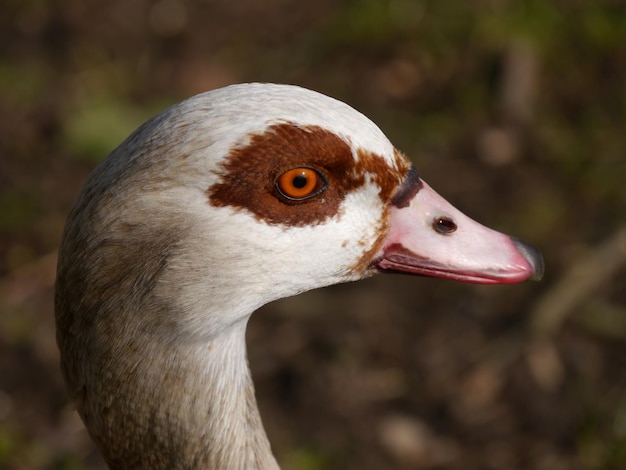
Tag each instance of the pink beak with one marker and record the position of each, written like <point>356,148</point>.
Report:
<point>428,236</point>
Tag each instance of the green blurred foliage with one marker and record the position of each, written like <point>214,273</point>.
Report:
<point>98,125</point>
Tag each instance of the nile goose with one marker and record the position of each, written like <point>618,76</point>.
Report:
<point>222,203</point>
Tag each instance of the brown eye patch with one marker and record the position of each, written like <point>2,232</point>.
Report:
<point>249,175</point>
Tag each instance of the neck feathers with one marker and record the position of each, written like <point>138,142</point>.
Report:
<point>186,406</point>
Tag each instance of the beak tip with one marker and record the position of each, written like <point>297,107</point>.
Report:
<point>533,256</point>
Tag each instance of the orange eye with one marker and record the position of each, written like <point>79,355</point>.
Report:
<point>300,183</point>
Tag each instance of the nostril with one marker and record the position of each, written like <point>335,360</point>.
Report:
<point>444,225</point>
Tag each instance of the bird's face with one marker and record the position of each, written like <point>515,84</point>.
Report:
<point>334,212</point>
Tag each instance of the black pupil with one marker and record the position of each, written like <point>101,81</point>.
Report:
<point>300,181</point>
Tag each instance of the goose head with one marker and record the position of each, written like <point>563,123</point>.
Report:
<point>222,203</point>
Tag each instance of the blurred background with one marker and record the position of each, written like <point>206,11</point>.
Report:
<point>513,110</point>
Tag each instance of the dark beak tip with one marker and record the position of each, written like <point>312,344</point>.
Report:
<point>533,256</point>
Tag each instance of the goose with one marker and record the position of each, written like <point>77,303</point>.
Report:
<point>220,204</point>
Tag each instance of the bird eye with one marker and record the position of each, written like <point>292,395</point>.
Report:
<point>300,183</point>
